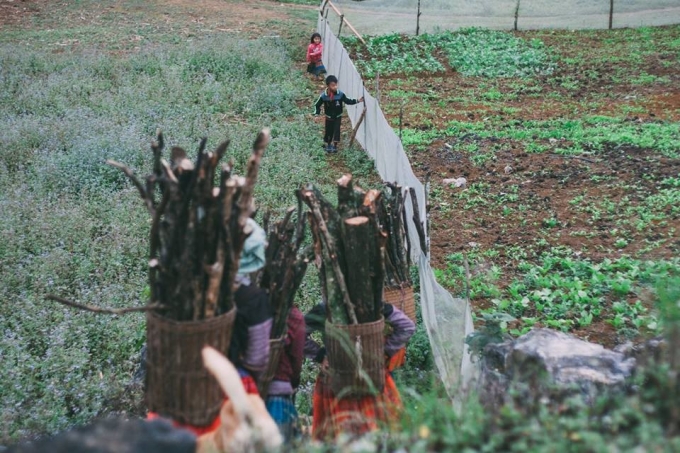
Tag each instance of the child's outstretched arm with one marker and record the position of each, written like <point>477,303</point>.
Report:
<point>350,101</point>
<point>317,106</point>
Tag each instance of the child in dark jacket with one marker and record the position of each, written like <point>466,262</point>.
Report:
<point>314,51</point>
<point>332,99</point>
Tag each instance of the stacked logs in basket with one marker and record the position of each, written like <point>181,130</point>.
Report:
<point>197,235</point>
<point>398,287</point>
<point>350,245</point>
<point>285,266</point>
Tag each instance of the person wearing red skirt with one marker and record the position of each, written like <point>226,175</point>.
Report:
<point>332,415</point>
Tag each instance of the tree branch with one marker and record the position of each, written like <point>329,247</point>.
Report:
<point>138,184</point>
<point>108,311</point>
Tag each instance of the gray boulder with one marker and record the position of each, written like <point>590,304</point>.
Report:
<point>547,361</point>
<point>566,359</point>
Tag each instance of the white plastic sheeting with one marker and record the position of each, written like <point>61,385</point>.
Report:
<point>447,319</point>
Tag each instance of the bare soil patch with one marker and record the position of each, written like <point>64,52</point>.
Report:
<point>13,12</point>
<point>538,201</point>
<point>251,19</point>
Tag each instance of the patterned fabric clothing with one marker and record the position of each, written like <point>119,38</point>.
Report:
<point>314,52</point>
<point>331,415</point>
<point>198,430</point>
<point>282,409</point>
<point>290,364</point>
<point>402,329</point>
<point>316,68</point>
<point>249,346</point>
<point>397,360</point>
<point>248,383</point>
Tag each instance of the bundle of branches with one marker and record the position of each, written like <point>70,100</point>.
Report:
<point>284,266</point>
<point>281,277</point>
<point>197,232</point>
<point>349,245</point>
<point>392,216</point>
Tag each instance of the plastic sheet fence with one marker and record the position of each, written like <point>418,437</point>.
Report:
<point>374,17</point>
<point>448,320</point>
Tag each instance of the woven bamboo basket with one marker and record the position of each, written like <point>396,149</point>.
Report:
<point>356,358</point>
<point>177,384</point>
<point>276,347</point>
<point>403,299</point>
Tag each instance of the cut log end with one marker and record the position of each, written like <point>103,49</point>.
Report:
<point>371,196</point>
<point>177,154</point>
<point>345,180</point>
<point>356,221</point>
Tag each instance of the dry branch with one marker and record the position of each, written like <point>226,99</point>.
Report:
<point>420,226</point>
<point>143,192</point>
<point>108,311</point>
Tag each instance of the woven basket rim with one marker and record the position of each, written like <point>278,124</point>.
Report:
<point>359,325</point>
<point>399,287</point>
<point>192,323</point>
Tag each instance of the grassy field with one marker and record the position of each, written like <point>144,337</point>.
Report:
<point>91,81</point>
<point>570,146</point>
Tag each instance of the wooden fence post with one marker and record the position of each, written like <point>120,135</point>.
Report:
<point>418,20</point>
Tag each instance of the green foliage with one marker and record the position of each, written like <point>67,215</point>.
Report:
<point>563,292</point>
<point>301,2</point>
<point>418,372</point>
<point>391,54</point>
<point>472,52</point>
<point>487,53</point>
<point>668,290</point>
<point>492,330</point>
<point>644,416</point>
<point>587,135</point>
<point>359,162</point>
<point>614,422</point>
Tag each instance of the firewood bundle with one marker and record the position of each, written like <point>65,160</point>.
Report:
<point>285,266</point>
<point>197,232</point>
<point>392,216</point>
<point>349,246</point>
<point>284,269</point>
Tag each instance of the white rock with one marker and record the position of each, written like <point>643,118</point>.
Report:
<point>457,182</point>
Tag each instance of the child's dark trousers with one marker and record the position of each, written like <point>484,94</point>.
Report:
<point>332,133</point>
